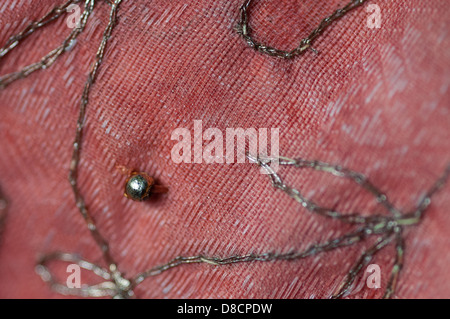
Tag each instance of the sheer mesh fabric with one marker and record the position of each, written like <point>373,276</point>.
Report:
<point>374,100</point>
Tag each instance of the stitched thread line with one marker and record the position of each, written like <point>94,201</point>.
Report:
<point>244,29</point>
<point>53,55</point>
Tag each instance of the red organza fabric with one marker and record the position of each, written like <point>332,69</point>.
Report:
<point>373,100</point>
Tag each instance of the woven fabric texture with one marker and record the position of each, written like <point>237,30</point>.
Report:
<point>373,100</point>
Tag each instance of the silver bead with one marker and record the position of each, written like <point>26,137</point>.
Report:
<point>138,186</point>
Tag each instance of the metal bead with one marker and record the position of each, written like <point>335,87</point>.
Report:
<point>138,186</point>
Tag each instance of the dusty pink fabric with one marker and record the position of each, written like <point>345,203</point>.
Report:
<point>374,100</point>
